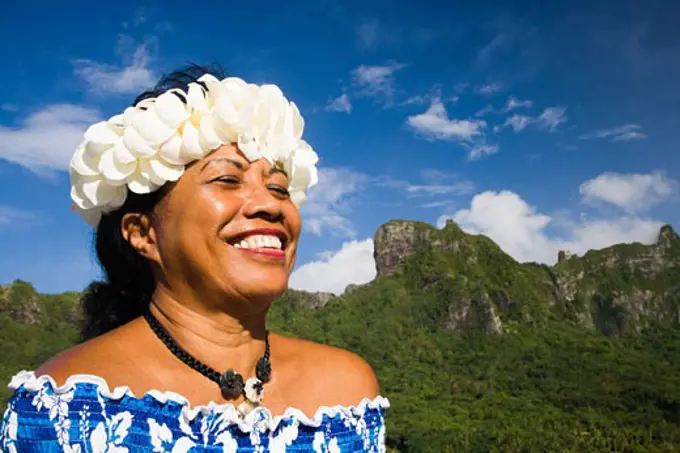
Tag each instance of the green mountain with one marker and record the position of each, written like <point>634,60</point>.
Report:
<point>476,352</point>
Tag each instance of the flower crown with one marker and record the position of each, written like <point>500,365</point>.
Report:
<point>150,143</point>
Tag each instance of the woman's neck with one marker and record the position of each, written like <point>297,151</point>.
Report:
<point>217,338</point>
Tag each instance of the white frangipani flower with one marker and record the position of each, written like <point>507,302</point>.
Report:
<point>254,389</point>
<point>150,143</point>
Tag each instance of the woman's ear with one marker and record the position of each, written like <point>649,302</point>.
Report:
<point>138,230</point>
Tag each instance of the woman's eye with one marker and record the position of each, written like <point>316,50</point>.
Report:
<point>280,190</point>
<point>229,179</point>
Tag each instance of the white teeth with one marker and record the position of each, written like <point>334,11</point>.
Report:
<point>260,241</point>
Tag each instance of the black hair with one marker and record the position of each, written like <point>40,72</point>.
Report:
<point>129,283</point>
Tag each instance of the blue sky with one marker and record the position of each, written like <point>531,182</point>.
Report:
<point>551,126</point>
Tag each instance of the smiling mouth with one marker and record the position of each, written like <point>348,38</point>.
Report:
<point>268,245</point>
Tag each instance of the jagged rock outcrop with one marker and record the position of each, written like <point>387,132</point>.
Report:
<point>614,290</point>
<point>396,240</point>
<point>317,299</point>
<point>474,315</point>
<point>307,299</point>
<point>623,287</point>
<point>20,301</point>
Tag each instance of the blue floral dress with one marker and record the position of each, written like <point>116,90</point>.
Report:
<point>85,416</point>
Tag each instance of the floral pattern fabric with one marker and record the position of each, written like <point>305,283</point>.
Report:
<point>85,416</point>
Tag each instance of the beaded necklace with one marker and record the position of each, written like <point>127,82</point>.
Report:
<point>231,383</point>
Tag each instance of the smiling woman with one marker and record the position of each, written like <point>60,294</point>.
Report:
<point>194,194</point>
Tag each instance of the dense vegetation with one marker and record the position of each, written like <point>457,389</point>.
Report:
<point>556,385</point>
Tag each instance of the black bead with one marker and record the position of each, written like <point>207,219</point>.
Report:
<point>263,370</point>
<point>231,384</point>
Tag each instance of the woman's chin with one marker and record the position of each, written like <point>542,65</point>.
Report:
<point>264,288</point>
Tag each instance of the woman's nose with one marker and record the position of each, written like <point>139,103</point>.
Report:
<point>261,202</point>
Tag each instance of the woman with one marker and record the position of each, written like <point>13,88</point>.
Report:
<point>194,192</point>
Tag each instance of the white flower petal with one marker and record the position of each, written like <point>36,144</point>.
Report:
<point>301,177</point>
<point>313,177</point>
<point>98,192</point>
<point>249,147</point>
<point>165,170</point>
<point>136,144</point>
<point>117,121</point>
<point>123,155</point>
<point>191,139</point>
<point>93,150</point>
<point>147,172</point>
<point>207,129</point>
<point>225,110</point>
<point>170,109</point>
<point>102,132</point>
<point>209,79</point>
<point>129,115</point>
<point>151,128</point>
<point>140,184</point>
<point>298,121</point>
<point>305,155</point>
<point>78,196</point>
<point>114,170</point>
<point>171,151</point>
<point>84,164</point>
<point>298,198</point>
<point>196,97</point>
<point>228,133</point>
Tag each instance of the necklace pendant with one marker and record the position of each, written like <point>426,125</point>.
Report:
<point>254,390</point>
<point>231,384</point>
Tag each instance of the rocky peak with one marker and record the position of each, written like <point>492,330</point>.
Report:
<point>667,238</point>
<point>20,301</point>
<point>396,240</point>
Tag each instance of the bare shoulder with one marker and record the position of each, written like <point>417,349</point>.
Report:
<point>100,356</point>
<point>336,375</point>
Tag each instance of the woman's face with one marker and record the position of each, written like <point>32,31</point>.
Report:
<point>227,229</point>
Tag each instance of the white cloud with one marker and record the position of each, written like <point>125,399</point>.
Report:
<point>368,34</point>
<point>417,100</point>
<point>353,263</point>
<point>485,111</point>
<point>551,118</point>
<point>435,124</point>
<point>514,103</point>
<point>376,81</point>
<point>373,33</point>
<point>511,104</point>
<point>617,134</point>
<point>489,88</point>
<point>9,215</point>
<point>633,192</point>
<point>340,104</point>
<point>46,140</point>
<point>518,122</point>
<point>478,151</point>
<point>131,77</point>
<point>431,190</point>
<point>491,47</point>
<point>327,205</point>
<point>520,230</point>
<point>436,183</point>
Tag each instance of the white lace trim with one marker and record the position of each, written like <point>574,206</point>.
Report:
<point>251,421</point>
